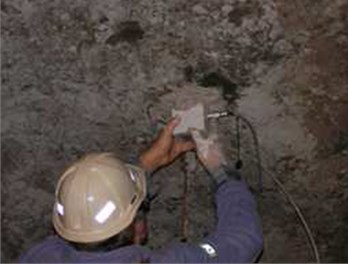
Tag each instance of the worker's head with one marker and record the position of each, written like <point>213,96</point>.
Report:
<point>97,198</point>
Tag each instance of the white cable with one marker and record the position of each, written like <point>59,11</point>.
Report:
<point>297,210</point>
<point>300,215</point>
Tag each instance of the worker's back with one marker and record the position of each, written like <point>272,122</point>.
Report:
<point>236,238</point>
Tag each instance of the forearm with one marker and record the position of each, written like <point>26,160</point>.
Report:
<point>238,234</point>
<point>145,162</point>
<point>237,237</point>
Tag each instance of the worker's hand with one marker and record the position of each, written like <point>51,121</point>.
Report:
<point>165,148</point>
<point>209,151</point>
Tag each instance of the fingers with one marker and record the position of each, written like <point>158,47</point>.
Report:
<point>196,135</point>
<point>186,146</point>
<point>171,125</point>
<point>182,147</point>
<point>165,137</point>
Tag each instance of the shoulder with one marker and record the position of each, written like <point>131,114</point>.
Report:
<point>178,253</point>
<point>49,250</point>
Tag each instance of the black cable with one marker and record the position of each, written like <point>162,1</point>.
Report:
<point>239,163</point>
<point>256,147</point>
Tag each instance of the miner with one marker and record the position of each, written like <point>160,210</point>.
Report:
<point>98,200</point>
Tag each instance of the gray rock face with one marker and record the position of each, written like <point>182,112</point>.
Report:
<point>89,76</point>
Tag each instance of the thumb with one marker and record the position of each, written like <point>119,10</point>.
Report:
<point>197,136</point>
<point>171,125</point>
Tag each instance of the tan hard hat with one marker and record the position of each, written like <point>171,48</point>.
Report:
<point>97,197</point>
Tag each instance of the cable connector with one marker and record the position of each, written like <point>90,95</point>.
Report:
<point>217,115</point>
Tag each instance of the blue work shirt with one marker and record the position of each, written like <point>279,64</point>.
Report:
<point>237,238</point>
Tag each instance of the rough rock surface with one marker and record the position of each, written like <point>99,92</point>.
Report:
<point>83,76</point>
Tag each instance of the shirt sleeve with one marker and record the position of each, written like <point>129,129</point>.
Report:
<point>237,236</point>
<point>51,250</point>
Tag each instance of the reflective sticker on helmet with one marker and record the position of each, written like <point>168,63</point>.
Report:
<point>60,209</point>
<point>209,250</point>
<point>105,212</point>
<point>132,175</point>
